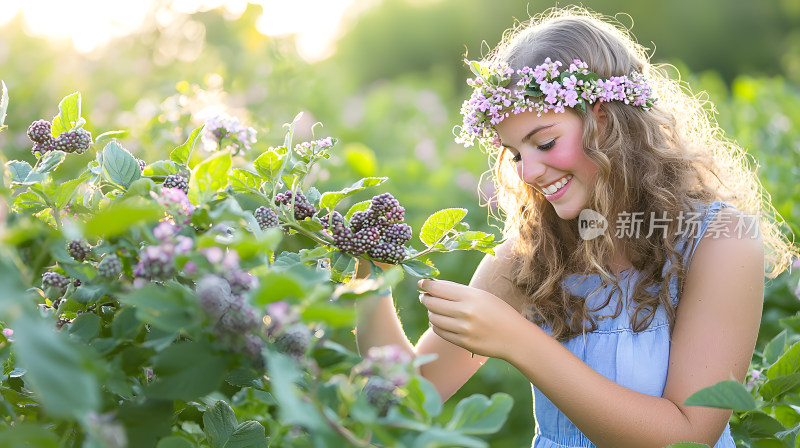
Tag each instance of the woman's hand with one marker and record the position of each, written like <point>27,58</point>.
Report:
<point>471,318</point>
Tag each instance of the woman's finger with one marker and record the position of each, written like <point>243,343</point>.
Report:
<point>440,306</point>
<point>445,322</point>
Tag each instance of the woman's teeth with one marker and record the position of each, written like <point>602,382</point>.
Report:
<point>557,186</point>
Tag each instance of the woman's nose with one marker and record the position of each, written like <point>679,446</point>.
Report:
<point>531,168</point>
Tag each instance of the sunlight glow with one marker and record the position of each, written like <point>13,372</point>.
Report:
<point>90,24</point>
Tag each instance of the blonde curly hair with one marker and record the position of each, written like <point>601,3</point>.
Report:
<point>665,160</point>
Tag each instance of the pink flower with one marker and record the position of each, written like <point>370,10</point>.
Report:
<point>214,255</point>
<point>7,332</point>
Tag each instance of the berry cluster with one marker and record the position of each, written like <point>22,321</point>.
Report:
<point>79,249</point>
<point>55,280</point>
<point>289,335</point>
<point>378,231</point>
<point>380,394</point>
<point>266,217</point>
<point>176,181</point>
<point>302,208</point>
<point>41,134</point>
<point>155,263</point>
<point>236,320</point>
<point>109,267</point>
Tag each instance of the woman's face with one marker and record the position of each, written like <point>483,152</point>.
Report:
<point>548,154</point>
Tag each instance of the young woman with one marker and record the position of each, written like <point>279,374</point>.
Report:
<point>633,267</point>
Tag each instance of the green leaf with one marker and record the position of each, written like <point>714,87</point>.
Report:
<point>775,388</point>
<point>219,422</point>
<point>726,395</point>
<point>183,153</point>
<point>361,158</point>
<point>167,309</point>
<point>3,105</point>
<point>60,371</point>
<point>440,437</point>
<point>292,409</point>
<point>18,170</point>
<point>439,223</point>
<point>175,442</point>
<point>269,164</point>
<point>787,364</point>
<point>424,397</point>
<point>108,136</point>
<point>66,191</point>
<point>334,315</point>
<point>85,327</point>
<point>28,434</point>
<point>480,415</point>
<point>774,349</point>
<point>243,180</point>
<point>357,207</point>
<point>187,371</point>
<point>122,215</point>
<point>49,162</point>
<point>209,176</point>
<point>331,198</point>
<point>119,166</point>
<point>69,114</point>
<point>418,268</point>
<point>162,168</point>
<point>275,286</point>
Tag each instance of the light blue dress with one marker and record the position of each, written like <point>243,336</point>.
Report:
<point>638,361</point>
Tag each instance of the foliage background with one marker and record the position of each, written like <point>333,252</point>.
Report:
<point>391,93</point>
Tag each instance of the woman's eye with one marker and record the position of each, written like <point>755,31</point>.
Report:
<point>547,145</point>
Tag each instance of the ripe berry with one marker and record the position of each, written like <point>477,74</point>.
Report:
<point>397,234</point>
<point>41,149</point>
<point>78,249</point>
<point>55,280</point>
<point>364,240</point>
<point>40,131</point>
<point>388,252</point>
<point>380,394</point>
<point>77,141</point>
<point>294,341</point>
<point>363,219</point>
<point>266,217</point>
<point>214,295</point>
<point>176,181</point>
<point>109,267</point>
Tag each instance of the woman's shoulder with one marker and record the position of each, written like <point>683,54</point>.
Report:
<point>493,274</point>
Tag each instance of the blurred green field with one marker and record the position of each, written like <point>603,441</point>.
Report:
<point>391,93</point>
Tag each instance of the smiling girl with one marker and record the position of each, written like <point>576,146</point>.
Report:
<point>614,330</point>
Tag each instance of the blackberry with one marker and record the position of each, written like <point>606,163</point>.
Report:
<point>364,240</point>
<point>388,208</point>
<point>302,208</point>
<point>214,295</point>
<point>342,238</point>
<point>253,345</point>
<point>397,234</point>
<point>55,280</point>
<point>388,252</point>
<point>79,249</point>
<point>109,267</point>
<point>141,163</point>
<point>40,131</point>
<point>40,149</point>
<point>240,318</point>
<point>240,282</point>
<point>380,394</point>
<point>176,181</point>
<point>266,217</point>
<point>76,141</point>
<point>155,263</point>
<point>332,220</point>
<point>77,282</point>
<point>363,219</point>
<point>294,341</point>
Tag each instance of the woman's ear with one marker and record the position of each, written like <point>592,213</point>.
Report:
<point>600,116</point>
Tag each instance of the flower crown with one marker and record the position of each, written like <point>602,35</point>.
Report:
<point>542,88</point>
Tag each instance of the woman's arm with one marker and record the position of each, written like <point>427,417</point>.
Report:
<point>378,325</point>
<point>713,340</point>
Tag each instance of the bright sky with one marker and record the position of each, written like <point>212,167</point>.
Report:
<point>91,23</point>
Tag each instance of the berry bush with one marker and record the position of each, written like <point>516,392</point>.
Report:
<point>165,303</point>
